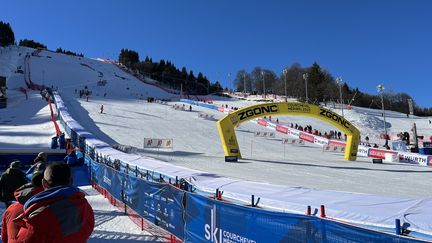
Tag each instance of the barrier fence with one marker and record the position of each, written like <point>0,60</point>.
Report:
<point>197,218</point>
<point>194,217</point>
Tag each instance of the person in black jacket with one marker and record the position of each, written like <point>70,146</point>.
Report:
<point>11,180</point>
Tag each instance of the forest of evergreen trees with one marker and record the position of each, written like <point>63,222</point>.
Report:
<point>322,87</point>
<point>32,44</point>
<point>70,53</point>
<point>7,36</point>
<point>168,74</point>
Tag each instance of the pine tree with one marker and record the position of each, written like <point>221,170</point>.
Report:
<point>7,36</point>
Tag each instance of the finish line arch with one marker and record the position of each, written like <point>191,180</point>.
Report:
<point>227,124</point>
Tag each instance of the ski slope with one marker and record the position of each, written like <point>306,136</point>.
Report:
<point>128,119</point>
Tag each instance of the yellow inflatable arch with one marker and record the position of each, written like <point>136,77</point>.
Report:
<point>227,124</point>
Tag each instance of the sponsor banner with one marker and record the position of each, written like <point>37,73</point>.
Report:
<point>262,122</point>
<point>293,141</point>
<point>294,133</point>
<point>271,125</point>
<point>336,143</point>
<point>159,203</point>
<point>282,129</point>
<point>265,134</point>
<point>257,111</point>
<point>158,143</point>
<point>209,220</point>
<point>205,115</point>
<point>331,148</point>
<point>320,140</point>
<point>307,137</point>
<point>333,117</point>
<point>363,151</point>
<point>379,153</point>
<point>413,158</point>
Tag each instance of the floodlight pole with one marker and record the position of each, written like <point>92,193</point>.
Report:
<point>305,77</point>
<point>380,89</point>
<point>339,82</point>
<point>285,74</point>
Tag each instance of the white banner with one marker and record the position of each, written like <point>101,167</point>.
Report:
<point>265,134</point>
<point>293,141</point>
<point>158,143</point>
<point>205,115</point>
<point>331,148</point>
<point>320,140</point>
<point>293,132</point>
<point>363,151</point>
<point>413,158</point>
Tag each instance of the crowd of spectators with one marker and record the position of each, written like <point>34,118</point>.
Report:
<point>42,205</point>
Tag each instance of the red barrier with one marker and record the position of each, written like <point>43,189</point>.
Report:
<point>379,153</point>
<point>307,137</point>
<point>282,129</point>
<point>53,118</point>
<point>262,122</point>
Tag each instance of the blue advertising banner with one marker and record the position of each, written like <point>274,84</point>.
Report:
<point>209,220</point>
<point>159,203</point>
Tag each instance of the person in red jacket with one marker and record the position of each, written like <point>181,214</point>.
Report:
<point>59,214</point>
<point>10,227</point>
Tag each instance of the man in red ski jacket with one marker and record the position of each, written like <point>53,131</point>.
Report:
<point>10,228</point>
<point>59,214</point>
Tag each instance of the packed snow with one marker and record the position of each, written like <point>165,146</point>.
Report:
<point>128,119</point>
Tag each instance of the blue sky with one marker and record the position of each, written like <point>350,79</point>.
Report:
<point>366,42</point>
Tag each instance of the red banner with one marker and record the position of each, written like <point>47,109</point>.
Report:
<point>221,109</point>
<point>262,122</point>
<point>53,118</point>
<point>336,143</point>
<point>282,129</point>
<point>307,137</point>
<point>379,153</point>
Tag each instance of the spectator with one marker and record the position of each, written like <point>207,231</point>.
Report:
<point>40,163</point>
<point>11,180</point>
<point>74,158</point>
<point>9,227</point>
<point>59,214</point>
<point>62,141</point>
<point>41,157</point>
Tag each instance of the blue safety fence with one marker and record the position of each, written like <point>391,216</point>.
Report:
<point>209,220</point>
<point>197,103</point>
<point>159,203</point>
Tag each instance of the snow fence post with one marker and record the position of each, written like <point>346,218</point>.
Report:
<point>398,227</point>
<point>322,211</point>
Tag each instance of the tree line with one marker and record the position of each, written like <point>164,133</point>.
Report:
<point>168,74</point>
<point>322,86</point>
<point>7,36</point>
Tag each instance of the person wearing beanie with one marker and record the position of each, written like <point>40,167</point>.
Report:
<point>41,157</point>
<point>11,180</point>
<point>40,163</point>
<point>10,228</point>
<point>58,214</point>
